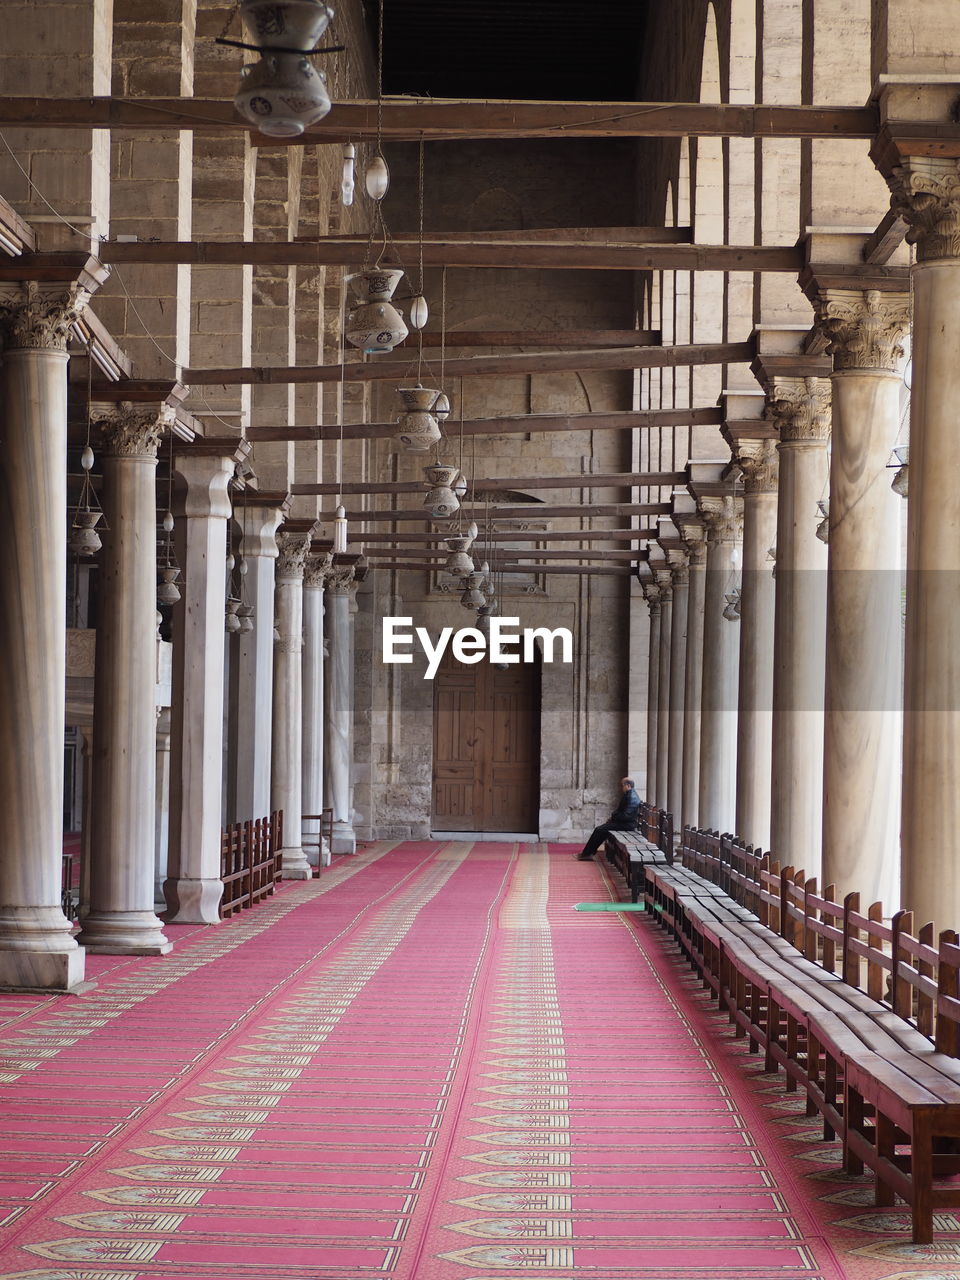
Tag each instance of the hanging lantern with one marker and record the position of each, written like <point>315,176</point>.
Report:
<point>245,616</point>
<point>460,488</point>
<point>232,619</point>
<point>84,539</point>
<point>442,407</point>
<point>374,324</point>
<point>418,429</point>
<point>281,94</point>
<point>419,312</point>
<point>168,522</point>
<point>441,501</point>
<point>340,532</point>
<point>348,176</point>
<point>472,598</point>
<point>472,531</point>
<point>167,590</point>
<point>458,562</point>
<point>377,178</point>
<point>86,458</point>
<point>286,24</point>
<point>901,481</point>
<point>732,610</point>
<point>823,528</point>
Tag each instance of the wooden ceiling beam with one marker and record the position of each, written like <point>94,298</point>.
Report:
<point>472,366</point>
<point>543,338</point>
<point>620,480</point>
<point>410,119</point>
<point>624,571</point>
<point>513,535</point>
<point>502,558</point>
<point>537,512</point>
<point>527,423</point>
<point>561,255</point>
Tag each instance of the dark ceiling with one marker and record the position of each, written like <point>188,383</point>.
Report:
<point>548,49</point>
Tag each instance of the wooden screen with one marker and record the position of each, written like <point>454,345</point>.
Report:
<point>486,747</point>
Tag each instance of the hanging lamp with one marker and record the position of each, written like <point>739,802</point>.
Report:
<point>441,501</point>
<point>282,92</point>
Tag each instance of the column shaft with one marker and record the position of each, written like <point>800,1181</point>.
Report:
<point>339,755</point>
<point>721,643</point>
<point>678,654</point>
<point>288,701</point>
<point>693,688</point>
<point>663,696</point>
<point>653,692</point>
<point>121,918</point>
<point>313,728</point>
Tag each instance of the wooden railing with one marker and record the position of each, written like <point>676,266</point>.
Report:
<point>910,970</point>
<point>250,862</point>
<point>656,825</point>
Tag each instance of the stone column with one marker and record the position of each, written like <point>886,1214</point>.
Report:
<point>759,462</point>
<point>801,409</point>
<point>678,654</point>
<point>286,792</point>
<point>162,846</point>
<point>313,725</point>
<point>251,675</point>
<point>693,677</point>
<point>121,919</point>
<point>927,194</point>
<point>665,584</point>
<point>341,590</point>
<point>652,593</point>
<point>864,656</point>
<point>37,948</point>
<point>193,887</point>
<point>723,517</point>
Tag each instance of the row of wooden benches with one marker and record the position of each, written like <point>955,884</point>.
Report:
<point>843,1003</point>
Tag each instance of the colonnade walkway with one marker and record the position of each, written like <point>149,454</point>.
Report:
<point>422,1066</point>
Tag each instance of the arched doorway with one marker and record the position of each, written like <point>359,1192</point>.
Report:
<point>486,747</point>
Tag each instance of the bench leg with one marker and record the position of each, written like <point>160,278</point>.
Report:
<point>883,1195</point>
<point>853,1121</point>
<point>921,1179</point>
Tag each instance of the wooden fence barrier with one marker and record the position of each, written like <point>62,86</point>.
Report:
<point>250,862</point>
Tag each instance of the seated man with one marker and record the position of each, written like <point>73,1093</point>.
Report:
<point>623,818</point>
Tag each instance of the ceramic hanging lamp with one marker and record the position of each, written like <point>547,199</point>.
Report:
<point>417,426</point>
<point>441,501</point>
<point>283,92</point>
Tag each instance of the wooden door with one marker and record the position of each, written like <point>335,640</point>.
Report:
<point>486,747</point>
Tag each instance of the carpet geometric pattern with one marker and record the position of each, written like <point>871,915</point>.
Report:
<point>425,1065</point>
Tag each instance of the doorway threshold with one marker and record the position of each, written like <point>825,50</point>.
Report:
<point>525,836</point>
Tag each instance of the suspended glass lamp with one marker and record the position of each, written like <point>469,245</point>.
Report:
<point>417,425</point>
<point>340,532</point>
<point>419,312</point>
<point>458,562</point>
<point>441,501</point>
<point>374,324</point>
<point>732,610</point>
<point>168,592</point>
<point>823,528</point>
<point>901,481</point>
<point>377,177</point>
<point>348,174</point>
<point>84,540</point>
<point>283,92</point>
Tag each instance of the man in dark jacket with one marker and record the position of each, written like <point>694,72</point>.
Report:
<point>623,818</point>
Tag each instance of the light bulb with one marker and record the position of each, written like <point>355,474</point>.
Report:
<point>340,532</point>
<point>377,178</point>
<point>168,522</point>
<point>348,179</point>
<point>86,458</point>
<point>419,311</point>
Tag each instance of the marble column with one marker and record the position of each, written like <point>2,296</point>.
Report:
<point>801,409</point>
<point>693,677</point>
<point>193,887</point>
<point>162,828</point>
<point>341,590</point>
<point>759,462</point>
<point>251,673</point>
<point>665,584</point>
<point>286,791</point>
<point>652,593</point>
<point>121,919</point>
<point>313,723</point>
<point>927,195</point>
<point>864,657</point>
<point>723,517</point>
<point>37,948</point>
<point>678,653</point>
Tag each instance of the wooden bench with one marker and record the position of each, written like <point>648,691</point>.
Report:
<point>790,976</point>
<point>629,852</point>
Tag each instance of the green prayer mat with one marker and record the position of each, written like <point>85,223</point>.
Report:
<point>609,906</point>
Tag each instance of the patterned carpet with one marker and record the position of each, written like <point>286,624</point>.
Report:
<point>424,1066</point>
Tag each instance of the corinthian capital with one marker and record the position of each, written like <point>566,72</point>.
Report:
<point>723,517</point>
<point>340,582</point>
<point>35,315</point>
<point>865,329</point>
<point>926,194</point>
<point>292,549</point>
<point>801,408</point>
<point>651,592</point>
<point>318,571</point>
<point>679,562</point>
<point>133,431</point>
<point>760,464</point>
<point>664,579</point>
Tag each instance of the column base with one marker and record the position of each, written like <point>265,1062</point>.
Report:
<point>193,901</point>
<point>124,933</point>
<point>344,838</point>
<point>42,970</point>
<point>326,855</point>
<point>295,864</point>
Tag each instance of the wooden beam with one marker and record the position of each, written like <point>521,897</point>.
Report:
<point>507,535</point>
<point>886,240</point>
<point>473,366</point>
<point>539,553</point>
<point>582,511</point>
<point>411,119</point>
<point>16,236</point>
<point>419,566</point>
<point>561,255</point>
<point>528,423</point>
<point>620,480</point>
<point>577,338</point>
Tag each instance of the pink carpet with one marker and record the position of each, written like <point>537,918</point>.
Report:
<point>424,1066</point>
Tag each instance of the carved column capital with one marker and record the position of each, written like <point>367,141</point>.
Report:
<point>664,579</point>
<point>926,194</point>
<point>292,549</point>
<point>651,592</point>
<point>723,516</point>
<point>36,315</point>
<point>679,562</point>
<point>695,540</point>
<point>800,407</point>
<point>760,464</point>
<point>318,571</point>
<point>133,431</point>
<point>340,582</point>
<point>865,329</point>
